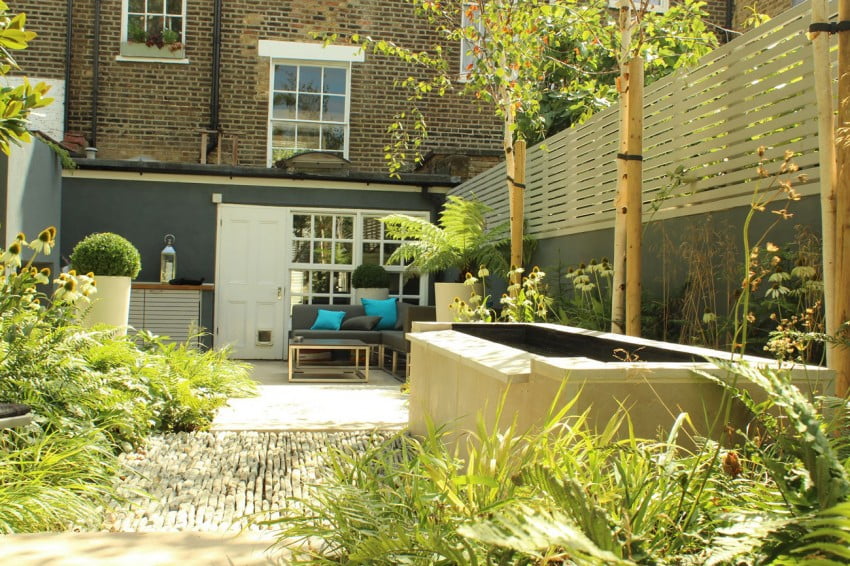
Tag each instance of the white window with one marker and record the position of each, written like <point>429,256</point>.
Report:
<point>309,108</point>
<point>327,246</point>
<point>472,25</point>
<point>153,28</point>
<point>309,97</point>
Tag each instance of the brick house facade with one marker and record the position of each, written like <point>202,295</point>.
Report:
<point>157,109</point>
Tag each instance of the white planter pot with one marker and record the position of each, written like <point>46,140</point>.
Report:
<point>111,304</point>
<point>444,295</point>
<point>377,293</point>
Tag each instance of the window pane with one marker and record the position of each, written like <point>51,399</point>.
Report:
<point>136,6</point>
<point>174,23</point>
<point>308,106</point>
<point>324,227</point>
<point>284,77</point>
<point>308,137</point>
<point>371,228</point>
<point>136,29</point>
<point>333,138</point>
<point>156,6</point>
<point>283,135</point>
<point>297,285</point>
<point>284,108</point>
<point>389,248</point>
<point>342,281</point>
<point>344,254</point>
<point>320,301</point>
<point>321,282</point>
<point>333,109</point>
<point>311,79</point>
<point>301,252</point>
<point>155,25</point>
<point>371,253</point>
<point>334,81</point>
<point>175,7</point>
<point>411,286</point>
<point>322,253</point>
<point>301,224</point>
<point>345,227</point>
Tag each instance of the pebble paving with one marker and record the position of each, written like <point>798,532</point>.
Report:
<point>216,481</point>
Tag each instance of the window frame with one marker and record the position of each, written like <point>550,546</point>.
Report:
<point>359,216</point>
<point>133,51</point>
<point>465,44</point>
<point>270,120</point>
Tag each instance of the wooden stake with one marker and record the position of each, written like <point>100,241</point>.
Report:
<point>826,154</point>
<point>517,203</point>
<point>634,196</point>
<point>841,297</point>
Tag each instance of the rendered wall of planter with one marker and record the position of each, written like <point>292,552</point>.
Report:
<point>456,375</point>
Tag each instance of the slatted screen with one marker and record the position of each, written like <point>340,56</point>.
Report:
<point>756,90</point>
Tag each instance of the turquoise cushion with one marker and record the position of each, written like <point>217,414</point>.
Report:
<point>328,320</point>
<point>386,309</point>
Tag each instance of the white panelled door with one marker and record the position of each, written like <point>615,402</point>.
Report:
<point>250,281</point>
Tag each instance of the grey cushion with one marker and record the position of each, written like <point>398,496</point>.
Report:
<point>366,336</point>
<point>360,323</point>
<point>395,340</point>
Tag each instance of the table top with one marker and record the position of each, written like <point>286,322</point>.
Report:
<point>328,342</point>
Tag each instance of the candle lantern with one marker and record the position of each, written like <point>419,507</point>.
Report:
<point>168,260</point>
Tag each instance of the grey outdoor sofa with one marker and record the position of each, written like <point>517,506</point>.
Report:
<point>387,341</point>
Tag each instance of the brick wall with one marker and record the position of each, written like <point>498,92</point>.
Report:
<point>157,110</point>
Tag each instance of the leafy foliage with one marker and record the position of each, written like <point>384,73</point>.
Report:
<point>571,493</point>
<point>106,253</point>
<point>16,103</point>
<point>460,241</point>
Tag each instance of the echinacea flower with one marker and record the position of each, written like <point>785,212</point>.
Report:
<point>45,241</point>
<point>12,256</point>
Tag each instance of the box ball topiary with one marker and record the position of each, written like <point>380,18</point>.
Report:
<point>106,254</point>
<point>370,276</point>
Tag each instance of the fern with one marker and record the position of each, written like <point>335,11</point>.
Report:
<point>461,240</point>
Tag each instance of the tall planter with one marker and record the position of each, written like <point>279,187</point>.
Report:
<point>377,293</point>
<point>111,304</point>
<point>444,295</point>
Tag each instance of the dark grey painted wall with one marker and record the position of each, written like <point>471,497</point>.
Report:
<point>578,248</point>
<point>143,212</point>
<point>31,184</point>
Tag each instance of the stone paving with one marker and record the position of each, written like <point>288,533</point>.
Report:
<point>261,455</point>
<point>216,481</point>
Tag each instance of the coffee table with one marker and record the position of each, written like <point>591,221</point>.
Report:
<point>329,372</point>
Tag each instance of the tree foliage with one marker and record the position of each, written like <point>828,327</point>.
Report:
<point>542,65</point>
<point>16,103</point>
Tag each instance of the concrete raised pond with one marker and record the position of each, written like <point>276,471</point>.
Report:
<point>459,370</point>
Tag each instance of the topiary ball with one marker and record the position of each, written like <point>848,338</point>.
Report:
<point>370,276</point>
<point>106,254</point>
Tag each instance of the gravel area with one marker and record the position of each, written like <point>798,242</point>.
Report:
<point>213,481</point>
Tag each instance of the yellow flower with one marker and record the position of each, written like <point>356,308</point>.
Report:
<point>45,241</point>
<point>12,256</point>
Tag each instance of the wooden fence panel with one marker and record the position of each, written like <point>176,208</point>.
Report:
<point>756,90</point>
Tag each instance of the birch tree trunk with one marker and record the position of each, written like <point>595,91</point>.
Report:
<point>634,196</point>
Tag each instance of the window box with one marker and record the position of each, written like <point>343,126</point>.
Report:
<point>141,50</point>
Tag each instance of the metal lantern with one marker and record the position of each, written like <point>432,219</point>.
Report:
<point>168,260</point>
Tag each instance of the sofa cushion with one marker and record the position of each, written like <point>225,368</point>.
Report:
<point>395,340</point>
<point>303,316</point>
<point>328,320</point>
<point>386,309</point>
<point>360,322</point>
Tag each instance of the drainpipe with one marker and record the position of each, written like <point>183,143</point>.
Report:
<point>216,73</point>
<point>730,8</point>
<point>95,73</point>
<point>69,43</point>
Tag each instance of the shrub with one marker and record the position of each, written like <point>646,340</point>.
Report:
<point>106,254</point>
<point>370,276</point>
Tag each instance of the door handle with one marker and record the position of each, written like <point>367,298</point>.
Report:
<point>279,293</point>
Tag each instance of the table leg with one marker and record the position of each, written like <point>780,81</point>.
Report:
<point>368,355</point>
<point>292,353</point>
